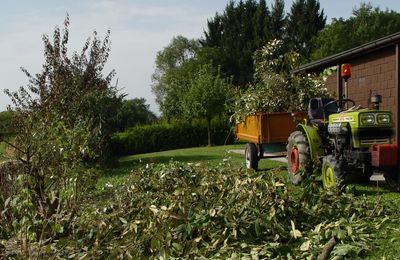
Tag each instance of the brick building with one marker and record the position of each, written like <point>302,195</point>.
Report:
<point>375,69</point>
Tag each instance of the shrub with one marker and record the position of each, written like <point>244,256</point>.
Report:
<point>161,137</point>
<point>63,120</point>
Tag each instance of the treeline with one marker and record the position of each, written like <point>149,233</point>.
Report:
<point>367,23</point>
<point>206,78</point>
<point>228,45</point>
<point>232,37</point>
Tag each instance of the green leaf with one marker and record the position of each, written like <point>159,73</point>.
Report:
<point>295,233</point>
<point>346,250</point>
<point>305,246</point>
<point>177,246</point>
<point>123,220</point>
<point>7,202</point>
<point>257,228</point>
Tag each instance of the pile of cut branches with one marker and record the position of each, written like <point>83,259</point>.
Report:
<point>180,210</point>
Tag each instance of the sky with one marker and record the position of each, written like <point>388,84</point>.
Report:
<point>139,29</point>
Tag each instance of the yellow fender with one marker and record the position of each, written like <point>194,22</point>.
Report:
<point>314,140</point>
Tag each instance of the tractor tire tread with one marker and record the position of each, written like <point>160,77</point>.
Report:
<point>299,139</point>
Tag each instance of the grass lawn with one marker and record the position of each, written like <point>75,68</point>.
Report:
<point>2,149</point>
<point>206,155</point>
<point>387,238</point>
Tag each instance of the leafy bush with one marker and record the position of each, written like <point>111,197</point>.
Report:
<point>160,137</point>
<point>63,122</point>
<point>188,211</point>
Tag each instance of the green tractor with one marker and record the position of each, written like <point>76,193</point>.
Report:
<point>351,142</point>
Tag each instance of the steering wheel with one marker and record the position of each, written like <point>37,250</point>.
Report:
<point>340,104</point>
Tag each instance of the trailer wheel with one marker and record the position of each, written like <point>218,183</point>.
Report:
<point>298,156</point>
<point>250,156</point>
<point>332,173</point>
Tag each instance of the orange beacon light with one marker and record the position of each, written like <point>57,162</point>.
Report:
<point>346,71</point>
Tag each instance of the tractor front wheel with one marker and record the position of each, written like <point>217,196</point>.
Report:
<point>332,173</point>
<point>298,156</point>
<point>250,155</point>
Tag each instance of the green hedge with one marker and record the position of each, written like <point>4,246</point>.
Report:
<point>161,137</point>
<point>6,127</point>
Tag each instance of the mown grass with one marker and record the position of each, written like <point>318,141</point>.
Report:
<point>211,156</point>
<point>2,150</point>
<point>387,239</point>
<point>2,147</point>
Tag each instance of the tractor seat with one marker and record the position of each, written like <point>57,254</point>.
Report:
<point>316,112</point>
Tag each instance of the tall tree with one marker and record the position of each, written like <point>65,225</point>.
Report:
<point>277,20</point>
<point>207,96</point>
<point>236,34</point>
<point>304,22</point>
<point>260,24</point>
<point>172,74</point>
<point>134,112</point>
<point>366,24</point>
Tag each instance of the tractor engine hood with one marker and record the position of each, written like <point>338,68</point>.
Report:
<point>368,126</point>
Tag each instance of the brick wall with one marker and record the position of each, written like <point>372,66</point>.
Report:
<point>371,74</point>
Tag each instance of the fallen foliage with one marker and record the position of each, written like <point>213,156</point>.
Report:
<point>181,210</point>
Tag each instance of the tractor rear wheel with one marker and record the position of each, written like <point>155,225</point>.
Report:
<point>250,155</point>
<point>332,172</point>
<point>298,156</point>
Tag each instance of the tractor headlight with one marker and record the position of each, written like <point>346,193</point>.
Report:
<point>383,119</point>
<point>367,119</point>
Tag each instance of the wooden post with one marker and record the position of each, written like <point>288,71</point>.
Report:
<point>397,96</point>
<point>397,112</point>
<point>339,82</point>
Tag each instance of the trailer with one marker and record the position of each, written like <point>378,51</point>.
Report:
<point>267,135</point>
